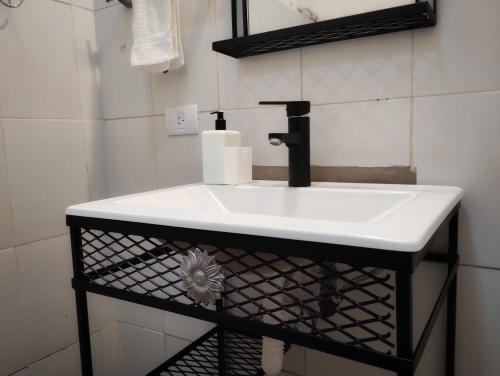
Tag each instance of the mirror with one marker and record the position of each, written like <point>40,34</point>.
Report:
<point>263,26</point>
<point>262,14</point>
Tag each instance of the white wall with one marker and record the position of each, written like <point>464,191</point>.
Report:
<point>429,99</point>
<point>51,156</point>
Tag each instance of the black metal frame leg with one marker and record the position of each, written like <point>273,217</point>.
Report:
<point>221,351</point>
<point>404,319</point>
<point>451,306</point>
<point>84,332</point>
<point>82,313</point>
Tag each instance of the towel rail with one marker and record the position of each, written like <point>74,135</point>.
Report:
<point>127,3</point>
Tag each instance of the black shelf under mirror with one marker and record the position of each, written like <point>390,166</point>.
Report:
<point>406,17</point>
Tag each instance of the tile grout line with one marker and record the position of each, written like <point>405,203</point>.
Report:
<point>155,154</point>
<point>9,191</point>
<point>60,350</point>
<point>155,135</point>
<point>80,101</point>
<point>152,330</point>
<point>21,302</point>
<point>412,101</point>
<point>494,268</point>
<point>75,56</point>
<point>217,63</point>
<point>23,244</point>
<point>7,118</point>
<point>319,104</point>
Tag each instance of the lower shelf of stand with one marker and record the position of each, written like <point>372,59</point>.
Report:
<point>242,356</point>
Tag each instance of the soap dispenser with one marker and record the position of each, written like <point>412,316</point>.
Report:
<point>224,160</point>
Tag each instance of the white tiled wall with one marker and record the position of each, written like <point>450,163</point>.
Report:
<point>46,164</point>
<point>429,99</point>
<point>197,81</point>
<point>51,155</point>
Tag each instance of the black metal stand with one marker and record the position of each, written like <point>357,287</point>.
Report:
<point>451,309</point>
<point>351,302</point>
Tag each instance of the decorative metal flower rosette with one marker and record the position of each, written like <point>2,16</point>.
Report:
<point>201,277</point>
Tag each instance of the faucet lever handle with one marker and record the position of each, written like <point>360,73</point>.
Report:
<point>293,108</point>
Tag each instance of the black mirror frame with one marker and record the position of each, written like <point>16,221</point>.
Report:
<point>412,16</point>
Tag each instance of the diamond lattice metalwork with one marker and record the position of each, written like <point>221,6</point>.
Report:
<point>330,300</point>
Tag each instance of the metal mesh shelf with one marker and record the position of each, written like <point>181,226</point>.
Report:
<point>335,301</point>
<point>242,355</point>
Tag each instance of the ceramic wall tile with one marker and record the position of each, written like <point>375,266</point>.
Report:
<point>46,163</point>
<point>65,362</point>
<point>428,280</point>
<point>106,356</point>
<point>6,228</point>
<point>139,315</point>
<point>88,69</point>
<point>184,327</point>
<point>103,312</point>
<point>478,328</point>
<point>13,354</point>
<point>294,360</point>
<point>374,133</point>
<point>272,77</point>
<point>173,345</point>
<point>223,19</point>
<point>86,4</point>
<point>95,153</point>
<point>456,143</point>
<point>367,68</point>
<point>125,91</point>
<point>196,81</point>
<point>38,76</point>
<point>462,52</point>
<point>142,350</point>
<point>101,4</point>
<point>48,299</point>
<point>245,82</point>
<point>130,156</point>
<point>369,134</point>
<point>254,126</point>
<point>179,157</point>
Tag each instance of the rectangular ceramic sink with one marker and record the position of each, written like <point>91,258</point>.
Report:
<point>392,217</point>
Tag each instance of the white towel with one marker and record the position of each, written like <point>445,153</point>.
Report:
<point>157,37</point>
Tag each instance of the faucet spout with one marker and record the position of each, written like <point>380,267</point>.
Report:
<point>289,139</point>
<point>297,140</point>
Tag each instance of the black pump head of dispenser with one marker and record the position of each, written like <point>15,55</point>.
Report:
<point>220,122</point>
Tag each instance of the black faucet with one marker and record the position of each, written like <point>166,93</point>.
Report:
<point>298,141</point>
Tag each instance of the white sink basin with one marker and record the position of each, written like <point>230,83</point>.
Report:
<point>392,217</point>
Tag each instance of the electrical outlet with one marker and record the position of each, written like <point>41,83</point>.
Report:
<point>181,120</point>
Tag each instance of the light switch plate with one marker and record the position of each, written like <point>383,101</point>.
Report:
<point>182,120</point>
